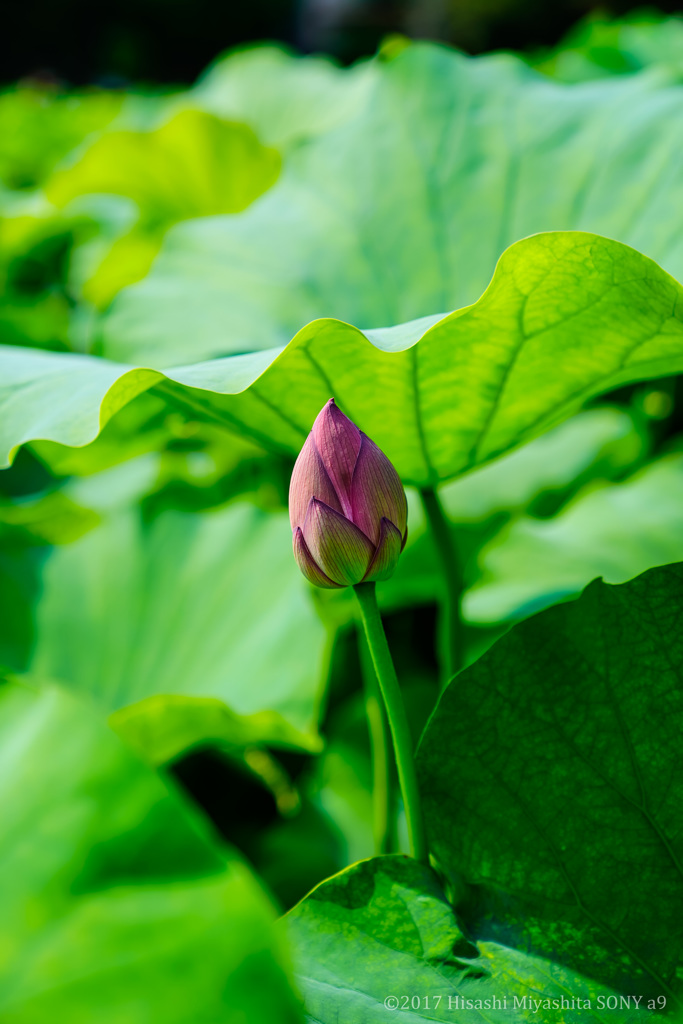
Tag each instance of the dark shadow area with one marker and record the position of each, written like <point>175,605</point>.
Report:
<point>173,40</point>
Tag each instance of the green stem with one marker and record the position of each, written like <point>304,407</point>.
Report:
<point>452,626</point>
<point>382,820</point>
<point>398,720</point>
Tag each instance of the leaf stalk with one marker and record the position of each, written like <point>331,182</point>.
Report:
<point>451,625</point>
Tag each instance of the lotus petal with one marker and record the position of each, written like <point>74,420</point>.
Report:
<point>341,550</point>
<point>338,441</point>
<point>376,492</point>
<point>386,556</point>
<point>308,564</point>
<point>309,480</point>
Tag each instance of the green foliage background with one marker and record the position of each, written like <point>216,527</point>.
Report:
<point>480,260</point>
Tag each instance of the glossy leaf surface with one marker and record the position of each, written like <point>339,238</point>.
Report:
<point>566,317</point>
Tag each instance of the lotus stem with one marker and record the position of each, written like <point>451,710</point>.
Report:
<point>382,816</point>
<point>397,717</point>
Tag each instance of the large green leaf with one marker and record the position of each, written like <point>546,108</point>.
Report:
<point>402,210</point>
<point>164,624</point>
<point>283,99</point>
<point>381,937</point>
<point>566,317</point>
<point>552,782</point>
<point>114,905</point>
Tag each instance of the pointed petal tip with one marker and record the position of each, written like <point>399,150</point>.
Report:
<point>315,506</point>
<point>338,441</point>
<point>331,412</point>
<point>308,565</point>
<point>387,553</point>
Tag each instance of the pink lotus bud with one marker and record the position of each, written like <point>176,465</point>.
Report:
<point>347,505</point>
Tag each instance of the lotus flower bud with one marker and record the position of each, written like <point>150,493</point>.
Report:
<point>347,505</point>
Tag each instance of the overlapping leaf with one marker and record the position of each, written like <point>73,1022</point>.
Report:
<point>380,940</point>
<point>282,98</point>
<point>163,625</point>
<point>192,165</point>
<point>402,210</point>
<point>534,485</point>
<point>40,126</point>
<point>599,46</point>
<point>516,561</point>
<point>552,781</point>
<point>566,316</point>
<point>114,903</point>
<point>614,531</point>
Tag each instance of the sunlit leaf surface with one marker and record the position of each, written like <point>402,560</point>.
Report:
<point>566,317</point>
<point>402,209</point>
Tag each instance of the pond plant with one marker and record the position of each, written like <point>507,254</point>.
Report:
<point>420,321</point>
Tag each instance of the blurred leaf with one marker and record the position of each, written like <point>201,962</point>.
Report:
<point>191,166</point>
<point>383,929</point>
<point>595,444</point>
<point>254,798</point>
<point>34,247</point>
<point>340,782</point>
<point>604,442</point>
<point>552,782</point>
<point>297,852</point>
<point>161,727</point>
<point>39,323</point>
<point>194,465</point>
<point>128,259</point>
<point>114,904</point>
<point>614,531</point>
<point>39,126</point>
<point>600,46</point>
<point>402,210</point>
<point>178,609</point>
<point>142,426</point>
<point>52,518</point>
<point>567,316</point>
<point>284,99</point>
<point>203,466</point>
<point>19,588</point>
